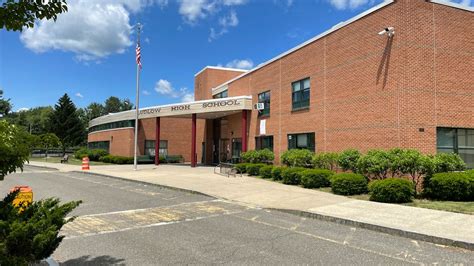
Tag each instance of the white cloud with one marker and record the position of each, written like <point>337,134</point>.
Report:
<point>349,4</point>
<point>145,92</point>
<point>240,64</point>
<point>225,22</point>
<point>165,87</point>
<point>79,95</point>
<point>234,2</point>
<point>23,109</point>
<point>91,29</point>
<point>193,10</point>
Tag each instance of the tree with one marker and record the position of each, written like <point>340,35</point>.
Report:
<point>32,234</point>
<point>66,124</point>
<point>5,105</point>
<point>14,148</point>
<point>14,15</point>
<point>34,120</point>
<point>49,140</point>
<point>95,110</point>
<point>114,105</point>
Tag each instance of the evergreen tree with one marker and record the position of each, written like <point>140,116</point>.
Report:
<point>66,124</point>
<point>5,105</point>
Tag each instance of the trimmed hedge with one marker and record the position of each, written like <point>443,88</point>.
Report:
<point>276,172</point>
<point>456,186</point>
<point>266,171</point>
<point>391,190</point>
<point>241,168</point>
<point>348,184</point>
<point>94,155</point>
<point>292,175</point>
<point>254,168</point>
<point>116,159</point>
<point>258,156</point>
<point>315,178</point>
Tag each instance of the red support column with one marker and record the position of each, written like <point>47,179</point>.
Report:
<point>193,142</point>
<point>244,130</point>
<point>157,141</point>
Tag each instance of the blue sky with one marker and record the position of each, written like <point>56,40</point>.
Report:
<point>89,52</point>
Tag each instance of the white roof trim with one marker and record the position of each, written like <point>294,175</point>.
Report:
<point>221,89</point>
<point>332,29</point>
<point>451,4</point>
<point>220,68</point>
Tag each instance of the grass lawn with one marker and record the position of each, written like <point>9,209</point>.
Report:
<point>466,207</point>
<point>72,160</point>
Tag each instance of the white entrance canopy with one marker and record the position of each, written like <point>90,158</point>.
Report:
<point>207,109</point>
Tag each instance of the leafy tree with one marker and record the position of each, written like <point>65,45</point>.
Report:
<point>348,160</point>
<point>95,110</point>
<point>14,15</point>
<point>34,120</point>
<point>326,160</point>
<point>5,105</point>
<point>414,164</point>
<point>28,236</point>
<point>49,140</point>
<point>114,105</point>
<point>66,124</point>
<point>376,164</point>
<point>14,148</point>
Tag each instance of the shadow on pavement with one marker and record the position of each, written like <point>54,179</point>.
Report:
<point>88,260</point>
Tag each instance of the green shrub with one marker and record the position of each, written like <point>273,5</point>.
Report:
<point>241,168</point>
<point>412,163</point>
<point>94,155</point>
<point>376,164</point>
<point>116,159</point>
<point>254,168</point>
<point>292,175</point>
<point>448,162</point>
<point>456,186</point>
<point>297,158</point>
<point>391,190</point>
<point>326,160</point>
<point>315,178</point>
<point>266,171</point>
<point>258,156</point>
<point>348,184</point>
<point>348,160</point>
<point>276,172</point>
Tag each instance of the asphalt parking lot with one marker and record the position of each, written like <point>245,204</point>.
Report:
<point>124,222</point>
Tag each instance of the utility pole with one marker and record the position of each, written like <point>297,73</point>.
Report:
<point>137,57</point>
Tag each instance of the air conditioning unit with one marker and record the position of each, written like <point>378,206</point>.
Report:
<point>259,106</point>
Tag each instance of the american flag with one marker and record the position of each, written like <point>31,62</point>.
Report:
<point>138,56</point>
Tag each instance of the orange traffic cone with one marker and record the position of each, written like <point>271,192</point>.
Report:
<point>85,163</point>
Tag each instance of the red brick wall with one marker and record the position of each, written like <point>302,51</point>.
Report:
<point>210,78</point>
<point>121,140</point>
<point>371,92</point>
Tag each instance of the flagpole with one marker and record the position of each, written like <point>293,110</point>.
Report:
<point>137,105</point>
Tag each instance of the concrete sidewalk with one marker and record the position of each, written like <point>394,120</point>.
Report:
<point>423,224</point>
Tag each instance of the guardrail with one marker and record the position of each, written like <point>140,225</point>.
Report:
<point>226,169</point>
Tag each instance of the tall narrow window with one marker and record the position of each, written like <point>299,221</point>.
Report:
<point>264,98</point>
<point>301,141</point>
<point>300,94</point>
<point>236,150</point>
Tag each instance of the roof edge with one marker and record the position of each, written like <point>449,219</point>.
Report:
<point>220,68</point>
<point>451,4</point>
<point>317,37</point>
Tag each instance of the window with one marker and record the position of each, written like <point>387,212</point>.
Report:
<point>223,94</point>
<point>103,145</point>
<point>236,150</point>
<point>457,140</point>
<point>301,141</point>
<point>113,125</point>
<point>150,147</point>
<point>264,142</point>
<point>300,94</point>
<point>264,98</point>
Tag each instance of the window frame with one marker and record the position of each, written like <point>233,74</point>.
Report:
<point>304,103</point>
<point>456,148</point>
<point>163,149</point>
<point>222,94</point>
<point>311,141</point>
<point>259,141</point>
<point>266,102</point>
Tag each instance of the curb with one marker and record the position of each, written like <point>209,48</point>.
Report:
<point>146,183</point>
<point>382,229</point>
<point>41,167</point>
<point>373,227</point>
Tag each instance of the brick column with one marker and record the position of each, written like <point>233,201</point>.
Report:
<point>157,141</point>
